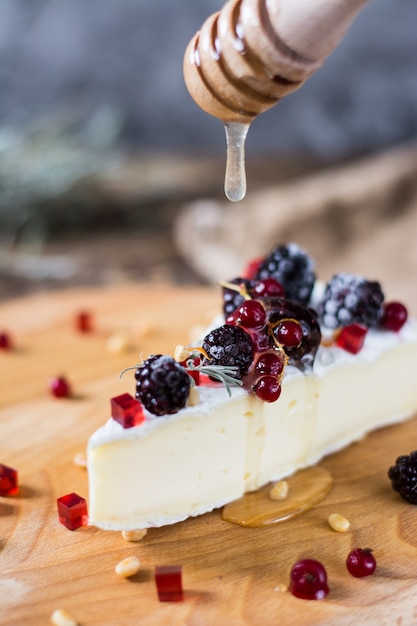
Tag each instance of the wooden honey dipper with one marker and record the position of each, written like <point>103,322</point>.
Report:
<point>252,53</point>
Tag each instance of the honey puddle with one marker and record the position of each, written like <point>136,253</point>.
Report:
<point>306,489</point>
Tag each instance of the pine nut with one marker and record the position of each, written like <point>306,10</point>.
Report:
<point>279,491</point>
<point>61,618</point>
<point>143,329</point>
<point>80,460</point>
<point>134,535</point>
<point>181,354</point>
<point>127,567</point>
<point>339,523</point>
<point>194,397</point>
<point>118,343</point>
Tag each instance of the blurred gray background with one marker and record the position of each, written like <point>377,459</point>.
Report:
<point>76,56</point>
<point>98,134</point>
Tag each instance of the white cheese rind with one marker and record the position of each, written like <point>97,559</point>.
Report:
<point>199,459</point>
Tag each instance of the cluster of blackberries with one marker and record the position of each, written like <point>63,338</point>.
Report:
<point>269,322</point>
<point>270,331</point>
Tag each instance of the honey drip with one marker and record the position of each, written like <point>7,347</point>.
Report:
<point>235,178</point>
<point>306,489</point>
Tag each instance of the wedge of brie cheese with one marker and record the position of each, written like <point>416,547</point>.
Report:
<point>176,466</point>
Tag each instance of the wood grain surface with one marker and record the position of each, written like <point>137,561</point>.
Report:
<point>231,575</point>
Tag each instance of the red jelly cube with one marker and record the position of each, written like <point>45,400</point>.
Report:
<point>352,337</point>
<point>84,322</point>
<point>252,267</point>
<point>206,381</point>
<point>8,480</point>
<point>126,410</point>
<point>168,579</point>
<point>72,511</point>
<point>195,375</point>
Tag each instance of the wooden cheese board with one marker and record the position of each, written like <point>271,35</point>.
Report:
<point>231,575</point>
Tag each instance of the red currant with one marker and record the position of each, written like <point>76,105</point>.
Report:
<point>361,562</point>
<point>270,363</point>
<point>289,333</point>
<point>251,314</point>
<point>60,387</point>
<point>5,341</point>
<point>395,316</point>
<point>267,388</point>
<point>308,580</point>
<point>268,287</point>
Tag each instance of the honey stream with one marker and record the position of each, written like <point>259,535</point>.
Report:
<point>306,489</point>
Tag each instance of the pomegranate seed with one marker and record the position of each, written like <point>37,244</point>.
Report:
<point>270,363</point>
<point>308,580</point>
<point>72,511</point>
<point>289,333</point>
<point>168,579</point>
<point>60,387</point>
<point>8,480</point>
<point>361,562</point>
<point>268,388</point>
<point>84,322</point>
<point>352,337</point>
<point>268,287</point>
<point>251,314</point>
<point>5,341</point>
<point>395,316</point>
<point>126,410</point>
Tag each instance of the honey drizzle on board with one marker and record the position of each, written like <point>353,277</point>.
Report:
<point>255,509</point>
<point>235,176</point>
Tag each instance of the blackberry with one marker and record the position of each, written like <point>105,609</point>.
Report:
<point>403,476</point>
<point>231,346</point>
<point>162,385</point>
<point>351,299</point>
<point>231,298</point>
<point>292,268</point>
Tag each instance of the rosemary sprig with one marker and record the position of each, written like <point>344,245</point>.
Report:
<point>226,374</point>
